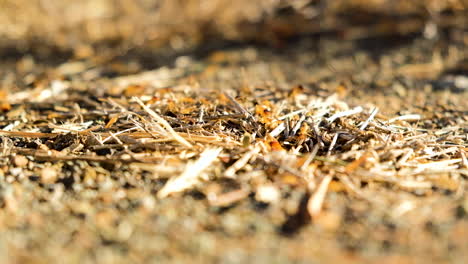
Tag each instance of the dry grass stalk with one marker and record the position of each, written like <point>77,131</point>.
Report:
<point>412,117</point>
<point>310,158</point>
<point>164,123</point>
<point>27,134</point>
<point>464,159</point>
<point>372,115</point>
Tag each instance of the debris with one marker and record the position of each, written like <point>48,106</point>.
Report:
<point>371,116</point>
<point>164,123</point>
<point>191,174</point>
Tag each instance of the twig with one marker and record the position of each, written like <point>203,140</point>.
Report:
<point>372,115</point>
<point>405,157</point>
<point>278,130</point>
<point>353,111</point>
<point>55,155</point>
<point>118,133</point>
<point>292,114</point>
<point>81,132</point>
<point>413,117</point>
<point>332,144</point>
<point>311,157</point>
<point>298,125</point>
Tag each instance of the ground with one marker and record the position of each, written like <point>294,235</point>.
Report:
<point>323,147</point>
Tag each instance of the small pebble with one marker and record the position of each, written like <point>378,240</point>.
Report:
<point>461,82</point>
<point>48,175</point>
<point>267,194</point>
<point>20,161</point>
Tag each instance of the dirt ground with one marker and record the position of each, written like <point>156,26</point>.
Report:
<point>344,141</point>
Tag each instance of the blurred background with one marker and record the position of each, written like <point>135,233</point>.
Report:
<point>80,28</point>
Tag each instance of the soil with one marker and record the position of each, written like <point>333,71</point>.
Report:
<point>73,189</point>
